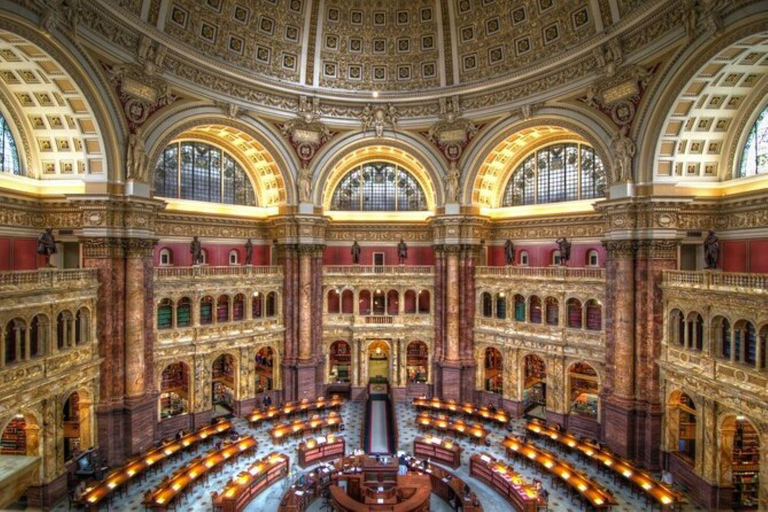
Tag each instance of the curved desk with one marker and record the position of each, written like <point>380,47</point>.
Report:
<point>416,490</point>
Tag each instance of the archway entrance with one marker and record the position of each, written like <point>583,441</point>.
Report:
<point>378,361</point>
<point>535,386</point>
<point>740,461</point>
<point>223,385</point>
<point>21,436</point>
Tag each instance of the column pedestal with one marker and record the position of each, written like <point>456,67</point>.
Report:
<point>468,382</point>
<point>111,432</point>
<point>306,381</point>
<point>450,381</point>
<point>140,423</point>
<point>618,427</point>
<point>289,381</point>
<point>45,496</point>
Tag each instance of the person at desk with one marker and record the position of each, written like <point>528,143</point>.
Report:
<point>179,434</point>
<point>667,478</point>
<point>402,465</point>
<point>425,464</point>
<point>491,408</point>
<point>466,490</point>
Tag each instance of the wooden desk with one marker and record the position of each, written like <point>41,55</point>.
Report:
<point>451,407</point>
<point>438,450</point>
<point>313,451</point>
<point>579,482</point>
<point>506,481</point>
<point>94,496</point>
<point>449,487</point>
<point>299,427</point>
<point>642,480</point>
<point>415,489</point>
<point>458,427</point>
<point>243,488</point>
<point>169,489</point>
<point>289,409</point>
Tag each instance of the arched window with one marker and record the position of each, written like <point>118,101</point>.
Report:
<point>754,159</point>
<point>82,326</point>
<point>238,307</point>
<point>593,259</point>
<point>424,300</point>
<point>487,305</point>
<point>417,362</point>
<point>222,309</point>
<point>573,312</point>
<point>535,310</point>
<point>594,315</point>
<point>553,311</point>
<point>234,257</point>
<point>585,390</point>
<point>763,344</point>
<point>64,330</point>
<point>166,257</point>
<point>165,314</point>
<point>9,157</point>
<point>271,304</point>
<point>174,390</point>
<point>683,412</point>
<point>721,336</point>
<point>494,371</point>
<point>201,172</point>
<point>365,302</point>
<point>348,302</point>
<point>333,302</point>
<point>557,258</point>
<point>184,312</point>
<point>744,342</point>
<point>264,370</point>
<point>523,258</point>
<point>410,305</point>
<point>519,308</point>
<point>501,306</point>
<point>695,326</point>
<point>676,328</point>
<point>393,302</point>
<point>15,334</point>
<point>206,310</point>
<point>379,186</point>
<point>256,306</point>
<point>340,361</point>
<point>556,173</point>
<point>38,335</point>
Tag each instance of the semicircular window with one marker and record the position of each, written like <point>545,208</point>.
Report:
<point>201,172</point>
<point>556,173</point>
<point>9,157</point>
<point>379,186</point>
<point>754,159</point>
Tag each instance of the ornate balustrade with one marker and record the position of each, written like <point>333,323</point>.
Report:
<point>349,270</point>
<point>206,273</point>
<point>215,332</point>
<point>47,279</point>
<point>725,281</point>
<point>544,273</point>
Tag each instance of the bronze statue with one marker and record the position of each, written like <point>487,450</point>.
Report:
<point>196,249</point>
<point>509,252</point>
<point>565,250</point>
<point>355,252</point>
<point>249,252</point>
<point>402,252</point>
<point>46,245</point>
<point>711,250</point>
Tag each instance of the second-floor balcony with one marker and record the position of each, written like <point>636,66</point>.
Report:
<point>717,281</point>
<point>47,280</point>
<point>378,270</point>
<point>204,273</point>
<point>554,273</point>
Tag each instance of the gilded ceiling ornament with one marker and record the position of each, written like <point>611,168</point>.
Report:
<point>378,118</point>
<point>140,94</point>
<point>619,97</point>
<point>452,133</point>
<point>150,54</point>
<point>306,134</point>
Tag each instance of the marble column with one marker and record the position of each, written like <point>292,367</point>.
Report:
<point>305,306</point>
<point>289,317</point>
<point>452,307</point>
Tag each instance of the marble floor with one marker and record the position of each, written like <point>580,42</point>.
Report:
<point>200,498</point>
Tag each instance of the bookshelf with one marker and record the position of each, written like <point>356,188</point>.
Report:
<point>746,467</point>
<point>174,390</point>
<point>584,390</point>
<point>417,362</point>
<point>14,440</point>
<point>340,361</point>
<point>264,367</point>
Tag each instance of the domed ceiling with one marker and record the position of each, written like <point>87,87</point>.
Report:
<point>382,45</point>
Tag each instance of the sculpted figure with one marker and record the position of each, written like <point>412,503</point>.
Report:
<point>711,250</point>
<point>355,252</point>
<point>452,183</point>
<point>136,158</point>
<point>305,184</point>
<point>565,250</point>
<point>402,251</point>
<point>46,245</point>
<point>623,152</point>
<point>509,252</point>
<point>196,248</point>
<point>249,252</point>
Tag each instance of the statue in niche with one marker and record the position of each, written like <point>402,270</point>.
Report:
<point>565,250</point>
<point>249,252</point>
<point>46,246</point>
<point>305,184</point>
<point>136,158</point>
<point>196,248</point>
<point>509,252</point>
<point>452,183</point>
<point>711,250</point>
<point>356,252</point>
<point>402,252</point>
<point>623,152</point>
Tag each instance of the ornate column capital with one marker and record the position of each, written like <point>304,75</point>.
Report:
<point>103,247</point>
<point>657,249</point>
<point>617,249</point>
<point>139,247</point>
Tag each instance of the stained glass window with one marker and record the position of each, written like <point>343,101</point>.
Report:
<point>201,172</point>
<point>9,157</point>
<point>378,186</point>
<point>556,173</point>
<point>754,160</point>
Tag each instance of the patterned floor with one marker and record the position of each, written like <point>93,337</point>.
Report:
<point>200,498</point>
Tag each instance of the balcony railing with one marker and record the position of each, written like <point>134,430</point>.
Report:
<point>706,280</point>
<point>47,278</point>
<point>204,272</point>
<point>378,269</point>
<point>544,273</point>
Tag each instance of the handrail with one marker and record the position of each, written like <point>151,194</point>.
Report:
<point>46,277</point>
<point>378,269</point>
<point>708,280</point>
<point>542,272</point>
<point>203,271</point>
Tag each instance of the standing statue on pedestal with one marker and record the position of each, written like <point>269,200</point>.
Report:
<point>249,252</point>
<point>136,159</point>
<point>452,184</point>
<point>46,246</point>
<point>509,252</point>
<point>623,152</point>
<point>355,253</point>
<point>711,250</point>
<point>196,248</point>
<point>565,250</point>
<point>402,252</point>
<point>305,184</point>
